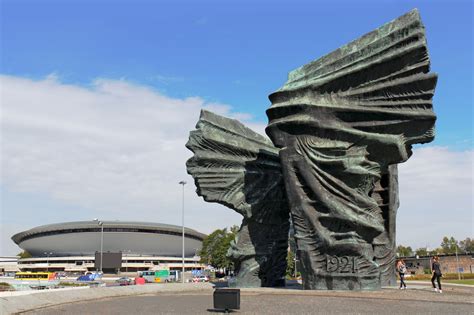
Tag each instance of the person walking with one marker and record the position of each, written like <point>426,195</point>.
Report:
<point>436,269</point>
<point>402,269</point>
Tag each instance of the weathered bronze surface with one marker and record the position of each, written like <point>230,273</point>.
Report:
<point>240,169</point>
<point>341,124</point>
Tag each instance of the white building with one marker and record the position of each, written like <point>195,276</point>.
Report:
<point>71,246</point>
<point>8,264</point>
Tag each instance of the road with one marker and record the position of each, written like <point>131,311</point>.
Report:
<point>280,302</point>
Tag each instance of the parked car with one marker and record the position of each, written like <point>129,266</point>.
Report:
<point>201,279</point>
<point>90,277</point>
<point>125,281</point>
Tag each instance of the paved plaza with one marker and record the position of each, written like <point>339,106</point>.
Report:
<point>418,300</point>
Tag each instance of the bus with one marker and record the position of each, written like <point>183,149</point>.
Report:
<point>36,279</point>
<point>155,275</point>
<point>30,275</point>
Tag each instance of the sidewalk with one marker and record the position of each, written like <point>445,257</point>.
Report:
<point>419,292</point>
<point>443,284</point>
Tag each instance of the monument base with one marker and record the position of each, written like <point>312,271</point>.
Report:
<point>342,282</point>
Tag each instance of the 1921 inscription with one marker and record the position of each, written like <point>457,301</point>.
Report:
<point>344,264</point>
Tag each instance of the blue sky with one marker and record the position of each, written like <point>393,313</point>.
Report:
<point>224,55</point>
<point>233,52</point>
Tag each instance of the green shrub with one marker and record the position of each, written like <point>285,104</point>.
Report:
<point>454,276</point>
<point>6,287</point>
<point>446,276</point>
<point>72,284</point>
<point>291,277</point>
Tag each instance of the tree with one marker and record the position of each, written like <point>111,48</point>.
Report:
<point>449,245</point>
<point>467,245</point>
<point>215,247</point>
<point>404,251</point>
<point>435,252</point>
<point>208,245</point>
<point>24,254</point>
<point>290,263</point>
<point>421,251</point>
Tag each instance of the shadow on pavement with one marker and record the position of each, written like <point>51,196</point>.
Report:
<point>290,285</point>
<point>213,310</point>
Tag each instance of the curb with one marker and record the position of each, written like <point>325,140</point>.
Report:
<point>447,284</point>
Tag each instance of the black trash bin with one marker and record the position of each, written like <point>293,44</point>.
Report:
<point>227,299</point>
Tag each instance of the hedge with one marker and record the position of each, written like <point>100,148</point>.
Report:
<point>446,276</point>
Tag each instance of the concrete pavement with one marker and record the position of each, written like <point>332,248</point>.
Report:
<point>261,302</point>
<point>197,298</point>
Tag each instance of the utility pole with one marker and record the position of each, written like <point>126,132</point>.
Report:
<point>182,221</point>
<point>457,262</point>
<point>101,224</point>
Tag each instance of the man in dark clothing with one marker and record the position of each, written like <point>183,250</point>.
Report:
<point>436,269</point>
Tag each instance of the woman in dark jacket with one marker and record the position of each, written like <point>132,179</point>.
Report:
<point>436,269</point>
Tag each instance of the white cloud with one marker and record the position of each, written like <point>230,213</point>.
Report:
<point>436,197</point>
<point>116,147</point>
<point>226,110</point>
<point>116,150</point>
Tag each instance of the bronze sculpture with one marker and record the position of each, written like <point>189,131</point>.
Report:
<point>339,126</point>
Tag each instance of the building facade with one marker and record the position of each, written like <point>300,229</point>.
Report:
<point>70,247</point>
<point>130,263</point>
<point>464,263</point>
<point>8,264</point>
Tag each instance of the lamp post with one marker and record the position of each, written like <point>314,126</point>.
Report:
<point>296,273</point>
<point>101,224</point>
<point>457,258</point>
<point>182,221</point>
<point>47,260</point>
<point>296,262</point>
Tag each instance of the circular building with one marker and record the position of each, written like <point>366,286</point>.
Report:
<point>72,247</point>
<point>84,238</point>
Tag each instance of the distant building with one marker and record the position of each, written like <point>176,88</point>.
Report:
<point>449,263</point>
<point>71,246</point>
<point>8,264</point>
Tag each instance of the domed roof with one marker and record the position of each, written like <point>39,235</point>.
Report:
<point>87,226</point>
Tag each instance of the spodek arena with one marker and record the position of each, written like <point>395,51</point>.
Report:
<point>72,246</point>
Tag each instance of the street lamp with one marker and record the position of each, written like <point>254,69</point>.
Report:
<point>296,262</point>
<point>101,224</point>
<point>182,221</point>
<point>457,258</point>
<point>296,273</point>
<point>47,260</point>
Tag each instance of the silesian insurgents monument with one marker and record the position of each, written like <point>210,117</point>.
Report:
<point>338,128</point>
